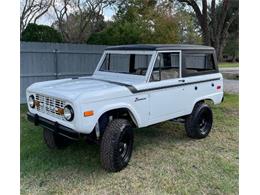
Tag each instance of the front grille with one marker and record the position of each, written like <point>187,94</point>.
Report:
<point>50,106</point>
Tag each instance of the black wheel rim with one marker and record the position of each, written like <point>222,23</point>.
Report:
<point>123,149</point>
<point>204,122</point>
<point>125,144</point>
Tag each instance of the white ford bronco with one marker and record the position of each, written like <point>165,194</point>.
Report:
<point>133,86</point>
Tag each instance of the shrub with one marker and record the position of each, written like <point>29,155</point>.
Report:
<point>40,33</point>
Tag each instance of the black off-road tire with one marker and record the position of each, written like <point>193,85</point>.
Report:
<point>198,124</point>
<point>54,140</point>
<point>116,145</point>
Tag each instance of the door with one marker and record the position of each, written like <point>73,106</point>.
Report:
<point>166,87</point>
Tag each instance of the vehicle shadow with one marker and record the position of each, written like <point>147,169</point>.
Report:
<point>162,133</point>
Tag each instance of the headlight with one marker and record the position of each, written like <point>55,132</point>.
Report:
<point>31,101</point>
<point>68,113</point>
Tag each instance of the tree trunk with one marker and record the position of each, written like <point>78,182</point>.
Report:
<point>205,25</point>
<point>220,53</point>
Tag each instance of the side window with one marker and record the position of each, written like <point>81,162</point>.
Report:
<point>196,64</point>
<point>167,66</point>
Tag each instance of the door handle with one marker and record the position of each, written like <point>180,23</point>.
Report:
<point>182,80</point>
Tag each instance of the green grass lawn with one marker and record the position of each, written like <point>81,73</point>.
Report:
<point>228,65</point>
<point>164,161</point>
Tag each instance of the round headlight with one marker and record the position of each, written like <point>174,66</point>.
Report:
<point>31,101</point>
<point>68,113</point>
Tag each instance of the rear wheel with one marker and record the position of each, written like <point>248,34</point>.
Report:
<point>116,145</point>
<point>198,124</point>
<point>54,140</point>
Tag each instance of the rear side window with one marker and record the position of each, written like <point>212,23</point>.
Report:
<point>197,64</point>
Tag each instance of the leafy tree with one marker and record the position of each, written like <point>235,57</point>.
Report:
<point>214,20</point>
<point>232,44</point>
<point>139,22</point>
<point>76,20</point>
<point>189,28</point>
<point>40,33</point>
<point>32,10</point>
<point>118,33</point>
<point>231,48</point>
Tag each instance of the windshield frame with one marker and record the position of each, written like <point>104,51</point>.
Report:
<point>130,76</point>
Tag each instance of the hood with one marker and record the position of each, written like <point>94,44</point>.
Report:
<point>70,89</point>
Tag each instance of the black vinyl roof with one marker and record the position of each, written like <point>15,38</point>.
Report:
<point>160,47</point>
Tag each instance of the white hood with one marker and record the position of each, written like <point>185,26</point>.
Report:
<point>71,89</point>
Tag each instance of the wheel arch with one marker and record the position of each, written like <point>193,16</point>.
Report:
<point>203,99</point>
<point>121,109</point>
<point>214,98</point>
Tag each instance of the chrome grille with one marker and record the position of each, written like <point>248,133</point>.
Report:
<point>49,105</point>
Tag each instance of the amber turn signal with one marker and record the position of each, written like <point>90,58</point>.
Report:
<point>37,103</point>
<point>89,113</point>
<point>60,111</point>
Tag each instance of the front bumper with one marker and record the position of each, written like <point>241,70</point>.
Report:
<point>53,126</point>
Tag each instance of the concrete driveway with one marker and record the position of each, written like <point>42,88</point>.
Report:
<point>231,82</point>
<point>231,86</point>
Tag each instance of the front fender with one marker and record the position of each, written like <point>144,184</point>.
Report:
<point>87,124</point>
<point>130,108</point>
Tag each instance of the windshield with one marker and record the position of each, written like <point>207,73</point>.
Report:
<point>136,64</point>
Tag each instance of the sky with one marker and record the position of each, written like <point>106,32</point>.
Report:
<point>49,18</point>
<point>108,13</point>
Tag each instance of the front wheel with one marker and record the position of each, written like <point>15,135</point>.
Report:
<point>198,124</point>
<point>116,145</point>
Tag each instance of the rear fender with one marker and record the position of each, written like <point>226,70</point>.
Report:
<point>216,98</point>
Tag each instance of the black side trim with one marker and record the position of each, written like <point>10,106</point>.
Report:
<point>199,73</point>
<point>176,85</point>
<point>134,90</point>
<point>53,126</point>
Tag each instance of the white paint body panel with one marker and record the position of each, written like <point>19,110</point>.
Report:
<point>91,93</point>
